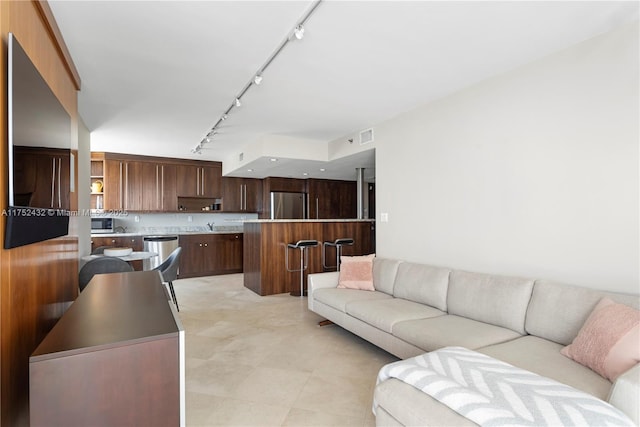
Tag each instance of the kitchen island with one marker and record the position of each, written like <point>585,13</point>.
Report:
<point>265,243</point>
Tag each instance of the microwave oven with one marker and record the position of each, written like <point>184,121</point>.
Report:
<point>102,225</point>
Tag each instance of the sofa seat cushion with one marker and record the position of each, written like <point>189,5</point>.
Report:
<point>339,298</point>
<point>385,313</point>
<point>450,330</point>
<point>543,357</point>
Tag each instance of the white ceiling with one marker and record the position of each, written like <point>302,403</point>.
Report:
<point>157,75</point>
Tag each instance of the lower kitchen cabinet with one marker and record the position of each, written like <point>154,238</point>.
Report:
<point>210,254</point>
<point>133,242</point>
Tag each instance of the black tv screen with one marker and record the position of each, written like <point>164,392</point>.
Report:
<point>39,155</point>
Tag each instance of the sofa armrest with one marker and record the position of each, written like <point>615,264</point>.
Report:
<point>625,393</point>
<point>318,281</point>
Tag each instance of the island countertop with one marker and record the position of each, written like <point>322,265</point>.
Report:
<point>306,220</point>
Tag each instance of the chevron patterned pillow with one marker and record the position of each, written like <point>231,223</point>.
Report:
<point>609,341</point>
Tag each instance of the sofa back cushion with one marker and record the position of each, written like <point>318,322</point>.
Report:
<point>423,284</point>
<point>498,300</point>
<point>384,274</point>
<point>558,311</point>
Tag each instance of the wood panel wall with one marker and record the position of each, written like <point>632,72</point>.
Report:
<point>39,281</point>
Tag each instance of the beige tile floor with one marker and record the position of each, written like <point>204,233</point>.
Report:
<point>264,361</point>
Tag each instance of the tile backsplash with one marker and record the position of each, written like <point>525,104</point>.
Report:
<point>181,222</point>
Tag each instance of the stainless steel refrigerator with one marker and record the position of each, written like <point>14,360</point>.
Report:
<point>288,205</point>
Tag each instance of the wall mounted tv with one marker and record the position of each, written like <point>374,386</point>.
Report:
<point>39,155</point>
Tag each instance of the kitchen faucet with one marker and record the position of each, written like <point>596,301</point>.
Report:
<point>210,225</point>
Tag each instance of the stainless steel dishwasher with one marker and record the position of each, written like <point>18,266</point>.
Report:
<point>162,245</point>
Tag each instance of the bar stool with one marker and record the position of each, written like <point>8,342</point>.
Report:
<point>338,244</point>
<point>302,245</point>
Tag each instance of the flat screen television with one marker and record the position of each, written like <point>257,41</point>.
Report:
<point>39,155</point>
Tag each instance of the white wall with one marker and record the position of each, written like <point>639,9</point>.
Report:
<point>84,182</point>
<point>533,173</point>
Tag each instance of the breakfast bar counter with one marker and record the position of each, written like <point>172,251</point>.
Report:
<point>265,243</point>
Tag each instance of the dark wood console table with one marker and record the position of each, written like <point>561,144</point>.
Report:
<point>116,357</point>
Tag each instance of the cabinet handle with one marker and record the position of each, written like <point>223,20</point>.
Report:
<point>59,183</point>
<point>126,186</point>
<point>198,181</point>
<point>240,197</point>
<point>121,192</point>
<point>317,208</point>
<point>202,178</point>
<point>53,180</point>
<point>206,245</point>
<point>162,188</point>
<point>113,241</point>
<point>245,197</point>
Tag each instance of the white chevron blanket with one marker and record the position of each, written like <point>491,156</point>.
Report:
<point>490,392</point>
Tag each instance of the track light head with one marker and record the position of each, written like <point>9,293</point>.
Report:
<point>224,117</point>
<point>257,79</point>
<point>299,32</point>
<point>237,102</point>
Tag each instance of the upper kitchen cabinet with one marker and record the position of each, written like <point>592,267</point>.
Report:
<point>199,179</point>
<point>287,185</point>
<point>155,184</point>
<point>166,177</point>
<point>128,185</point>
<point>150,186</point>
<point>137,185</point>
<point>241,195</point>
<point>332,199</point>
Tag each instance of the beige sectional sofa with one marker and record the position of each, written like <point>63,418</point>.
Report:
<point>419,308</point>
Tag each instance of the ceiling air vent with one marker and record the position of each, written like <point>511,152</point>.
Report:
<point>240,156</point>
<point>366,136</point>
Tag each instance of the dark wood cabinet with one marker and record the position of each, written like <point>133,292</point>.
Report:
<point>139,186</point>
<point>150,187</point>
<point>133,242</point>
<point>167,196</point>
<point>289,185</point>
<point>116,357</point>
<point>199,181</point>
<point>241,195</point>
<point>42,177</point>
<point>153,184</point>
<point>227,253</point>
<point>210,254</point>
<point>331,199</point>
<point>113,184</point>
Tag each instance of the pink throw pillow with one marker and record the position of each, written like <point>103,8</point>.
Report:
<point>356,272</point>
<point>609,341</point>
